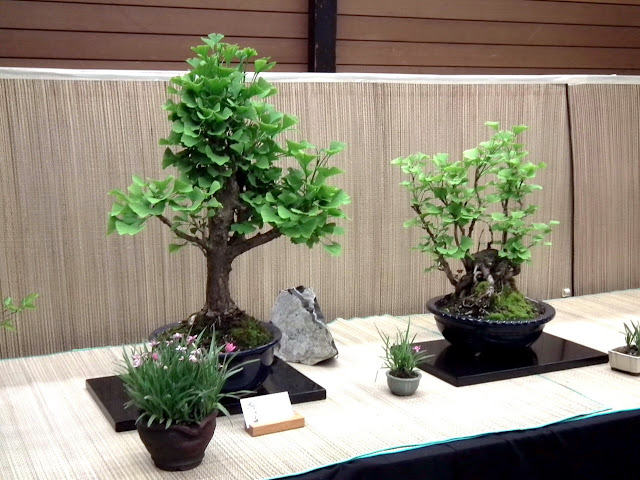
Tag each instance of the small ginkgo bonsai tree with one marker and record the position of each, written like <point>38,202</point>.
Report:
<point>478,201</point>
<point>230,194</point>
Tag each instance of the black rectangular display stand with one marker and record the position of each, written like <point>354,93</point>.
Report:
<point>109,394</point>
<point>548,354</point>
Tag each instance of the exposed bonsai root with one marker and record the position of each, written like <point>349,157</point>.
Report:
<point>231,327</point>
<point>508,304</point>
<point>487,290</point>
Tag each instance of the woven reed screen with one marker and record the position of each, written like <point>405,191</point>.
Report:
<point>606,122</point>
<point>66,143</point>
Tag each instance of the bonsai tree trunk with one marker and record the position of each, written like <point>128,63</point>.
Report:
<point>218,295</point>
<point>486,266</point>
<point>221,248</point>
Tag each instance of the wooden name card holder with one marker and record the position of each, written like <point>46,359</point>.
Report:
<point>265,428</point>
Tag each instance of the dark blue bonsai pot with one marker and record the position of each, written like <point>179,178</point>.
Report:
<point>257,367</point>
<point>478,334</point>
<point>257,361</point>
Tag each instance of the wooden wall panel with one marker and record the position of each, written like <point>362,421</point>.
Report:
<point>122,64</point>
<point>29,15</point>
<point>68,142</point>
<point>614,2</point>
<point>249,5</point>
<point>497,11</point>
<point>441,54</point>
<point>155,35</point>
<point>605,122</point>
<point>506,35</point>
<point>373,35</point>
<point>424,30</point>
<point>438,70</point>
<point>131,47</point>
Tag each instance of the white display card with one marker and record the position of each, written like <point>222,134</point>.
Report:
<point>272,408</point>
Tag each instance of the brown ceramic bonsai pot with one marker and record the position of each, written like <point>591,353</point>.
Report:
<point>179,447</point>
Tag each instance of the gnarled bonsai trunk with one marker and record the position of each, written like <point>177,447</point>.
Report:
<point>485,275</point>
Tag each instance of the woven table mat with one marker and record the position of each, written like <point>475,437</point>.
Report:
<point>51,428</point>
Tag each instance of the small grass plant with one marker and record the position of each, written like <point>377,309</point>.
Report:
<point>400,356</point>
<point>632,338</point>
<point>176,381</point>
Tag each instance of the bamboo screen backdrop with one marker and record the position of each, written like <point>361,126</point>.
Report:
<point>66,143</point>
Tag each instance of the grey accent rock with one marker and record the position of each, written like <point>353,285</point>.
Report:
<point>305,337</point>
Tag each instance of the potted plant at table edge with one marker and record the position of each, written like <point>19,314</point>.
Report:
<point>229,195</point>
<point>627,357</point>
<point>177,387</point>
<point>10,309</point>
<point>401,359</point>
<point>453,203</point>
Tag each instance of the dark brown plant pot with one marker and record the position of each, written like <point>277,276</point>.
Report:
<point>179,447</point>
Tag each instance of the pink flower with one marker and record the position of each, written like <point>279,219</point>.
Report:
<point>177,336</point>
<point>193,358</point>
<point>229,347</point>
<point>155,356</point>
<point>154,344</point>
<point>191,339</point>
<point>417,348</point>
<point>137,361</point>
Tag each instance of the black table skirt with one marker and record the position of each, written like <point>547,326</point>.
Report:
<point>602,447</point>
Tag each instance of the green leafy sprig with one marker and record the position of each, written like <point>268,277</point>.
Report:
<point>10,310</point>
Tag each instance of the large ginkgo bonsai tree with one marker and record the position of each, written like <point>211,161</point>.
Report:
<point>230,195</point>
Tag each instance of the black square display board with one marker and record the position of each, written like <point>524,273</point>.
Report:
<point>110,395</point>
<point>549,353</point>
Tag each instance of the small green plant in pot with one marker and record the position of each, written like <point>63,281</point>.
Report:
<point>402,359</point>
<point>479,232</point>
<point>10,310</point>
<point>231,194</point>
<point>177,386</point>
<point>627,357</point>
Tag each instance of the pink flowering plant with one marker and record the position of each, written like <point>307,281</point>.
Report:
<point>400,356</point>
<point>176,381</point>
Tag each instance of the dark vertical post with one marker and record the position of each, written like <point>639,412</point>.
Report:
<point>323,18</point>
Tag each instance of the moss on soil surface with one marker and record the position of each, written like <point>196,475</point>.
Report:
<point>244,331</point>
<point>510,304</point>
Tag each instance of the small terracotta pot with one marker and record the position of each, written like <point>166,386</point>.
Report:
<point>179,447</point>
<point>403,387</point>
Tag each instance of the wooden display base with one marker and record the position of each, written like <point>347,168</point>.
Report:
<point>265,428</point>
